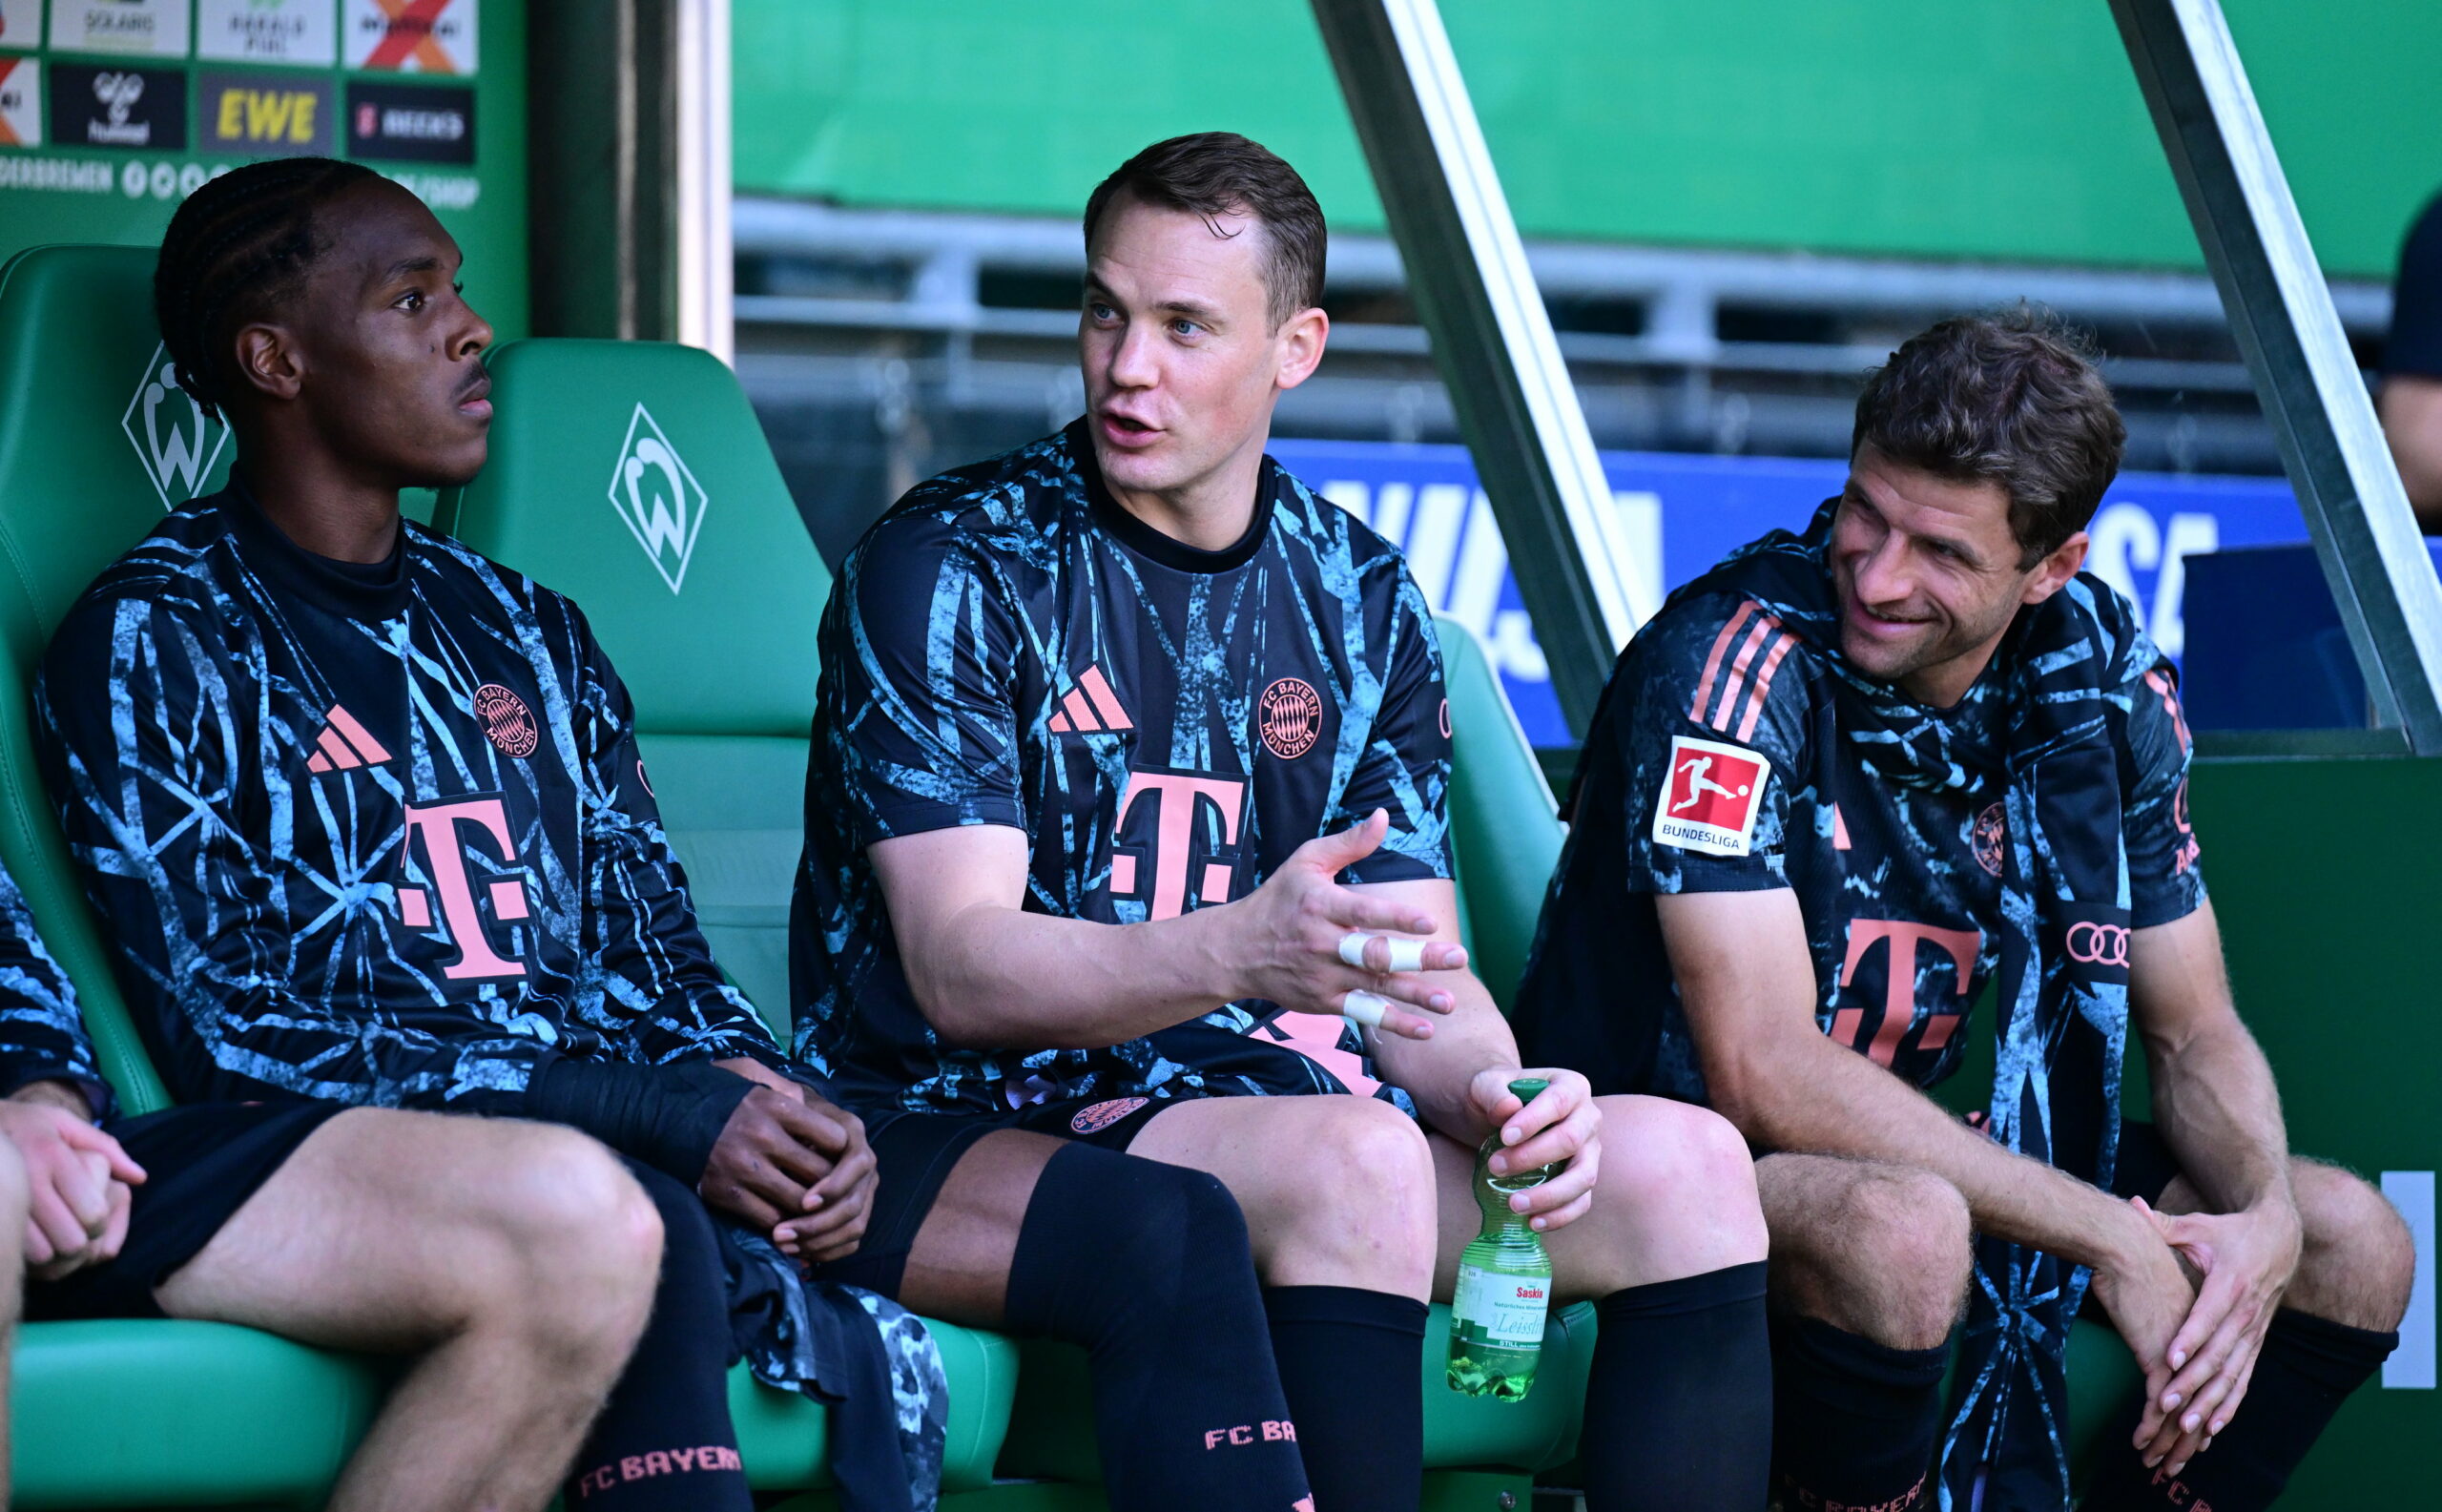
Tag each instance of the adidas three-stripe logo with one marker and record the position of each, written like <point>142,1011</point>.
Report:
<point>1766,639</point>
<point>1090,708</point>
<point>344,745</point>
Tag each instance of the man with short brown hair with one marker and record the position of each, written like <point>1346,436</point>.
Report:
<point>1839,784</point>
<point>1127,893</point>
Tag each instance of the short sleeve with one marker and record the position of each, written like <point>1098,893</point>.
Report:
<point>1405,768</point>
<point>919,650</point>
<point>2165,880</point>
<point>1707,733</point>
<point>2416,344</point>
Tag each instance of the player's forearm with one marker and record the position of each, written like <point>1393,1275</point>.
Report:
<point>1811,1095</point>
<point>2216,1105</point>
<point>993,977</point>
<point>1435,1073</point>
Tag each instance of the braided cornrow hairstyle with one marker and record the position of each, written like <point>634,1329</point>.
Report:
<point>238,247</point>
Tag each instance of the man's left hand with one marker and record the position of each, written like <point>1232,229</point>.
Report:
<point>839,1206</point>
<point>1562,1126</point>
<point>2247,1260</point>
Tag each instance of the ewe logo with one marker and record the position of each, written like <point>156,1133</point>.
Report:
<point>174,440</point>
<point>658,497</point>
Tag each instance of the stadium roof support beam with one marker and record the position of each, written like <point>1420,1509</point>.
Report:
<point>2282,316</point>
<point>1491,338</point>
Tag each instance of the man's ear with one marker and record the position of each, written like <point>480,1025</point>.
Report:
<point>268,359</point>
<point>2053,573</point>
<point>1301,347</point>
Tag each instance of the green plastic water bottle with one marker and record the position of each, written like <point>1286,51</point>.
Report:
<point>1504,1282</point>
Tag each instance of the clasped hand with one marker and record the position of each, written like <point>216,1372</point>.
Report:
<point>78,1180</point>
<point>1286,938</point>
<point>793,1165</point>
<point>2198,1326</point>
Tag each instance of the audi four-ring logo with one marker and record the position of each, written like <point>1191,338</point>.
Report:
<point>2099,944</point>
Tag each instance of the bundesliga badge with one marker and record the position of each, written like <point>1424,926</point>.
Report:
<point>1711,799</point>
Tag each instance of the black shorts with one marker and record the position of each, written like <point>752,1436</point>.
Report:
<point>914,1153</point>
<point>200,1165</point>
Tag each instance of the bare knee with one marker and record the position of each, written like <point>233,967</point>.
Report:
<point>1357,1197</point>
<point>1885,1256</point>
<point>1676,1197</point>
<point>2359,1259</point>
<point>583,1240</point>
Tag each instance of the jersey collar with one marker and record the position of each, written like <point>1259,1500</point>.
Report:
<point>363,590</point>
<point>1169,550</point>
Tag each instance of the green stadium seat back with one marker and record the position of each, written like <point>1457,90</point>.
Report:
<point>635,478</point>
<point>1052,1433</point>
<point>93,450</point>
<point>1504,829</point>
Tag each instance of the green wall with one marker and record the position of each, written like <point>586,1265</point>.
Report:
<point>2006,129</point>
<point>484,206</point>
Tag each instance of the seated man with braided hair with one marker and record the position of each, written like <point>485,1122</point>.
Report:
<point>513,1261</point>
<point>364,816</point>
<point>1841,783</point>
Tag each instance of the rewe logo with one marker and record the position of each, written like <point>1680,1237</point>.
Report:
<point>174,439</point>
<point>658,497</point>
<point>1712,797</point>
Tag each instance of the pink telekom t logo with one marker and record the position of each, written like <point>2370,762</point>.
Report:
<point>1899,984</point>
<point>1181,791</point>
<point>438,823</point>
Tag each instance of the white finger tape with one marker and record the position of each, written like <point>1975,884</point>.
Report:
<point>1406,955</point>
<point>1364,1008</point>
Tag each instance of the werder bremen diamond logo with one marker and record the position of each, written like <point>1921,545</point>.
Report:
<point>658,497</point>
<point>172,438</point>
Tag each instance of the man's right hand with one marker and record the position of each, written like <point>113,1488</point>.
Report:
<point>786,1157</point>
<point>1286,937</point>
<point>77,1179</point>
<point>2149,1295</point>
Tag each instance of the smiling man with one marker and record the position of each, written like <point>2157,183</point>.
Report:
<point>1838,785</point>
<point>1128,781</point>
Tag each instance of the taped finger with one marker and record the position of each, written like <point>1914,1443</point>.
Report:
<point>1364,1008</point>
<point>1404,955</point>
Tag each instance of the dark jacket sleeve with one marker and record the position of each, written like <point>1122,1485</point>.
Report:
<point>42,1035</point>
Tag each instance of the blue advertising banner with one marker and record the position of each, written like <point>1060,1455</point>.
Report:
<point>1685,513</point>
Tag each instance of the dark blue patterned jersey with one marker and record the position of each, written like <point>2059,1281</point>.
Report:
<point>1009,646</point>
<point>42,1036</point>
<point>373,834</point>
<point>1720,763</point>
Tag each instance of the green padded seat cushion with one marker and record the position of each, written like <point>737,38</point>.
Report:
<point>785,1438</point>
<point>122,1413</point>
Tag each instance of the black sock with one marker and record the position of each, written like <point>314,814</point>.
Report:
<point>1350,1362</point>
<point>1679,1404</point>
<point>1853,1422</point>
<point>1146,1266</point>
<point>2307,1369</point>
<point>664,1440</point>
